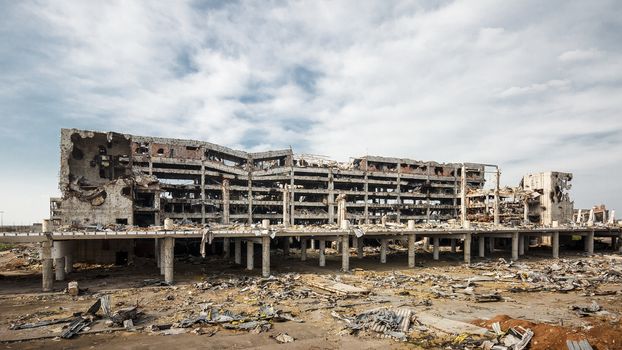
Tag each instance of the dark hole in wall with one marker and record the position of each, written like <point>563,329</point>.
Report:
<point>144,219</point>
<point>126,191</point>
<point>191,148</point>
<point>121,258</point>
<point>77,153</point>
<point>121,221</point>
<point>160,151</point>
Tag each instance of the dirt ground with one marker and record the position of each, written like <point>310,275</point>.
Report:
<point>527,297</point>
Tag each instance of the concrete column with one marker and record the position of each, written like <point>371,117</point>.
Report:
<point>426,243</point>
<point>285,245</point>
<point>359,247</point>
<point>453,245</point>
<point>69,248</point>
<point>496,199</point>
<point>467,248</point>
<point>521,246</point>
<point>265,256</point>
<point>515,237</point>
<point>322,256</point>
<point>345,255</point>
<point>620,244</point>
<point>46,266</point>
<point>303,249</point>
<point>383,251</point>
<point>58,251</point>
<point>411,249</point>
<point>157,251</point>
<point>481,241</point>
<point>169,259</point>
<point>237,251</point>
<point>250,255</point>
<point>589,242</point>
<point>555,244</point>
<point>226,248</point>
<point>491,244</point>
<point>162,256</point>
<point>312,244</point>
<point>436,251</point>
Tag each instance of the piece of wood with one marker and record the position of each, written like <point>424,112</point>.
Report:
<point>449,326</point>
<point>337,287</point>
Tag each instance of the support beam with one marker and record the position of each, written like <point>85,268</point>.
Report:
<point>555,244</point>
<point>589,242</point>
<point>169,259</point>
<point>411,250</point>
<point>312,244</point>
<point>383,251</point>
<point>265,256</point>
<point>345,253</point>
<point>156,251</point>
<point>515,237</point>
<point>226,248</point>
<point>46,266</point>
<point>481,241</point>
<point>303,249</point>
<point>491,244</point>
<point>496,199</point>
<point>162,256</point>
<point>359,247</point>
<point>70,246</point>
<point>58,252</point>
<point>521,246</point>
<point>467,248</point>
<point>463,207</point>
<point>436,251</point>
<point>225,201</point>
<point>250,255</point>
<point>321,251</point>
<point>237,251</point>
<point>453,245</point>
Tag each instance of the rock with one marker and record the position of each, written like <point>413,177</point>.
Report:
<point>72,288</point>
<point>284,338</point>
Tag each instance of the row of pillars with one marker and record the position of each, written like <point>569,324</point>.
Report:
<point>56,259</point>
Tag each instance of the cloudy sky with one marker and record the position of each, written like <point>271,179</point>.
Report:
<point>529,85</point>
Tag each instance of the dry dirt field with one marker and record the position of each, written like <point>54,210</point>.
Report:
<point>217,304</point>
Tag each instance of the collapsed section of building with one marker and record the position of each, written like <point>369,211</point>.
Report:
<point>111,178</point>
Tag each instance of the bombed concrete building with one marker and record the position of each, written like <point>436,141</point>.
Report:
<point>111,178</point>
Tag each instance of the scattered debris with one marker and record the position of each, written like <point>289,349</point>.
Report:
<point>72,288</point>
<point>284,338</point>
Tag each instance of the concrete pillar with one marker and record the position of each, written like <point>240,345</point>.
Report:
<point>411,224</point>
<point>265,256</point>
<point>496,199</point>
<point>436,251</point>
<point>58,252</point>
<point>303,249</point>
<point>555,244</point>
<point>169,259</point>
<point>411,249</point>
<point>481,241</point>
<point>46,266</point>
<point>463,186</point>
<point>491,244</point>
<point>226,248</point>
<point>426,243</point>
<point>345,255</point>
<point>589,242</point>
<point>383,251</point>
<point>467,248</point>
<point>515,237</point>
<point>156,251</point>
<point>162,256</point>
<point>521,246</point>
<point>69,251</point>
<point>620,244</point>
<point>250,255</point>
<point>168,224</point>
<point>321,251</point>
<point>237,251</point>
<point>312,244</point>
<point>285,245</point>
<point>359,247</point>
<point>453,245</point>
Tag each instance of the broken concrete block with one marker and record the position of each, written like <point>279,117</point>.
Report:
<point>72,288</point>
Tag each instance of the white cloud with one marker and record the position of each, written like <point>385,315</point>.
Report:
<point>458,81</point>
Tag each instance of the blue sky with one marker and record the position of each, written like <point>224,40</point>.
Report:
<point>529,85</point>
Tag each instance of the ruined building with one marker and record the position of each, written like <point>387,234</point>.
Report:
<point>111,178</point>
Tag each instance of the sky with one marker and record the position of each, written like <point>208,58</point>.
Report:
<point>529,85</point>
